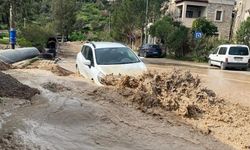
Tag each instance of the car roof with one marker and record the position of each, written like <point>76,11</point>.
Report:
<point>229,45</point>
<point>105,44</point>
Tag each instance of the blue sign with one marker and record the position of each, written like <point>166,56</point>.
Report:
<point>12,36</point>
<point>198,35</point>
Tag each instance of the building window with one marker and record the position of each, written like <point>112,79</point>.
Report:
<point>180,15</point>
<point>218,15</point>
<point>189,14</point>
<point>199,14</point>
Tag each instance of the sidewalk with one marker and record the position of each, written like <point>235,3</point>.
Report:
<point>163,61</point>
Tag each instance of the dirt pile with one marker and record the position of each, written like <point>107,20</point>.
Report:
<point>182,93</point>
<point>55,87</point>
<point>10,87</point>
<point>48,65</point>
<point>8,141</point>
<point>176,91</point>
<point>4,66</point>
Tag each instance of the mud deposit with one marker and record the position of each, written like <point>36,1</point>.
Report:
<point>9,141</point>
<point>48,65</point>
<point>55,87</point>
<point>92,118</point>
<point>4,66</point>
<point>10,87</point>
<point>183,94</point>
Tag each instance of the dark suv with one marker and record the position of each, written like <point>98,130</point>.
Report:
<point>148,50</point>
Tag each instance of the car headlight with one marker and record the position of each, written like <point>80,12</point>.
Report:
<point>100,77</point>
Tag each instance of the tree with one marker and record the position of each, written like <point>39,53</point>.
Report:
<point>243,33</point>
<point>172,34</point>
<point>64,15</point>
<point>204,26</point>
<point>130,15</point>
<point>92,20</point>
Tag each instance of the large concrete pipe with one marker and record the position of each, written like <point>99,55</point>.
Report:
<point>18,54</point>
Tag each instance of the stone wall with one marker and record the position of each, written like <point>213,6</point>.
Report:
<point>242,13</point>
<point>224,26</point>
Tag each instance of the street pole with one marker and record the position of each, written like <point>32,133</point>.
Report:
<point>146,22</point>
<point>109,23</point>
<point>12,33</point>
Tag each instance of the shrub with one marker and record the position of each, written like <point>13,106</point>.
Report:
<point>204,26</point>
<point>4,41</point>
<point>173,35</point>
<point>203,47</point>
<point>243,34</point>
<point>23,42</point>
<point>35,35</point>
<point>77,36</point>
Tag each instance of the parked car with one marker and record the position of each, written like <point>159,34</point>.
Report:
<point>150,50</point>
<point>97,59</point>
<point>230,56</point>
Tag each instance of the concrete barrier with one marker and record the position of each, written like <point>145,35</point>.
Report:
<point>11,56</point>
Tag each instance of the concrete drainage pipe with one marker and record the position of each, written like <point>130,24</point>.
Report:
<point>11,56</point>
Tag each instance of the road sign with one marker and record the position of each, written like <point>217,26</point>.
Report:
<point>198,35</point>
<point>12,36</point>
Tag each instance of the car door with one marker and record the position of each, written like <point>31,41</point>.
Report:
<point>221,55</point>
<point>91,70</point>
<point>80,61</point>
<point>213,56</point>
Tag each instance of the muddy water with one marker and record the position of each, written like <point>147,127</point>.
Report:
<point>80,119</point>
<point>233,85</point>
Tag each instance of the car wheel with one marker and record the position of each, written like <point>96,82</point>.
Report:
<point>145,54</point>
<point>139,54</point>
<point>245,69</point>
<point>209,63</point>
<point>222,66</point>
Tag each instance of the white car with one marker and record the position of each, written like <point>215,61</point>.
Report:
<point>97,59</point>
<point>230,56</point>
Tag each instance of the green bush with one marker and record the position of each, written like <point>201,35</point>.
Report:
<point>204,26</point>
<point>4,34</point>
<point>35,35</point>
<point>173,35</point>
<point>23,42</point>
<point>3,27</point>
<point>203,47</point>
<point>243,33</point>
<point>77,36</point>
<point>4,41</point>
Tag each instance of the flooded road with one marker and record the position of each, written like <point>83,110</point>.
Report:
<point>74,115</point>
<point>80,118</point>
<point>233,85</point>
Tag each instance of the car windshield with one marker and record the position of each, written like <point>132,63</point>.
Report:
<point>238,51</point>
<point>118,55</point>
<point>154,46</point>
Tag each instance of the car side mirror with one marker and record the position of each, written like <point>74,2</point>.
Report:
<point>87,63</point>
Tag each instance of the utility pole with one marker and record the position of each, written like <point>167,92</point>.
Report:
<point>12,32</point>
<point>109,23</point>
<point>146,22</point>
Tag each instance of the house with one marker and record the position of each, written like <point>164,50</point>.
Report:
<point>242,11</point>
<point>218,11</point>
